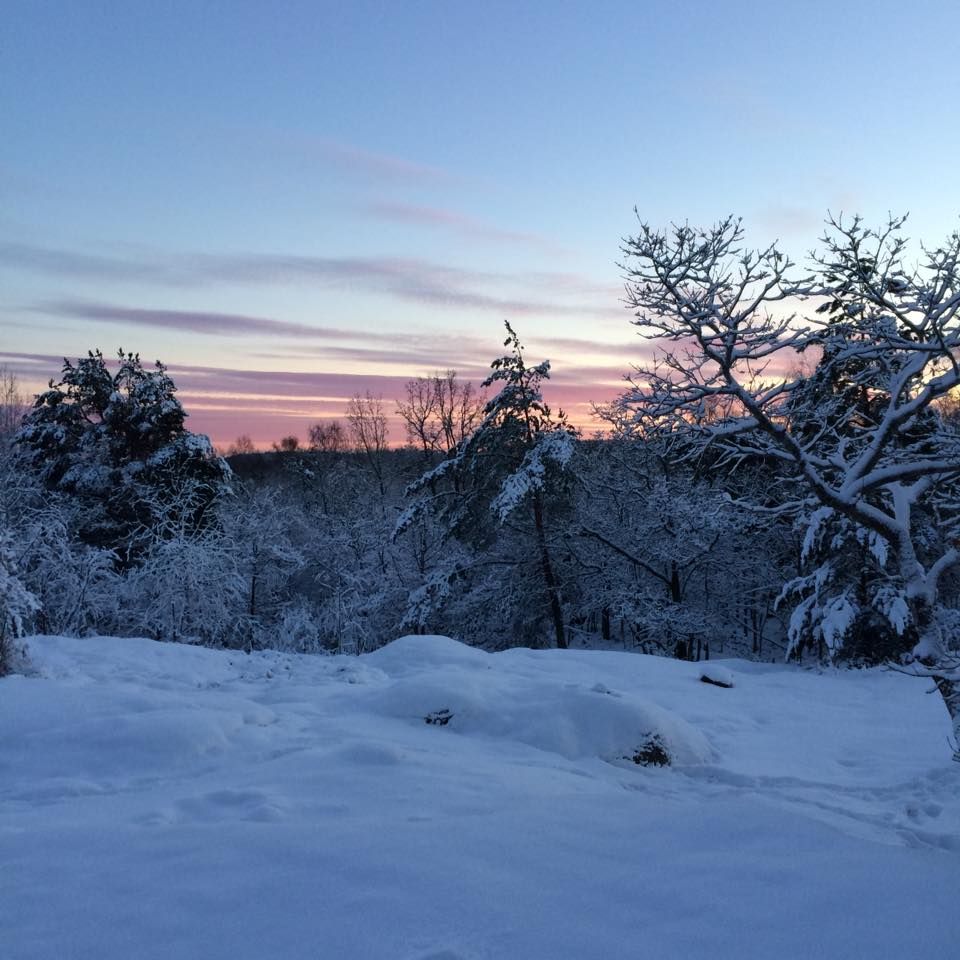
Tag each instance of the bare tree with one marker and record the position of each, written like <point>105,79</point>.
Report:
<point>870,449</point>
<point>460,408</point>
<point>241,446</point>
<point>328,437</point>
<point>13,403</point>
<point>368,427</point>
<point>440,411</point>
<point>288,444</point>
<point>419,414</point>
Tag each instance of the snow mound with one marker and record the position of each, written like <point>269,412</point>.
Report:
<point>411,654</point>
<point>94,712</point>
<point>477,694</point>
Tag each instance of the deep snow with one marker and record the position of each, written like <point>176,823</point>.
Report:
<point>164,801</point>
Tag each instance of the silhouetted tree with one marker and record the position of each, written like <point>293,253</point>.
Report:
<point>328,437</point>
<point>440,411</point>
<point>242,446</point>
<point>288,444</point>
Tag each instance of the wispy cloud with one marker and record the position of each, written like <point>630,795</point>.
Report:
<point>409,279</point>
<point>458,223</point>
<point>194,321</point>
<point>576,361</point>
<point>87,266</point>
<point>269,403</point>
<point>374,165</point>
<point>406,354</point>
<point>414,351</point>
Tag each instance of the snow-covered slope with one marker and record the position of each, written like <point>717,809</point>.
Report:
<point>166,801</point>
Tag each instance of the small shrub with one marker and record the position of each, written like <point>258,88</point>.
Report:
<point>651,753</point>
<point>13,655</point>
<point>439,718</point>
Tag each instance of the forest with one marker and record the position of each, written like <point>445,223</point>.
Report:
<point>717,510</point>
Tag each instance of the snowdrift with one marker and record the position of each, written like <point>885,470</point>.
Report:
<point>473,695</point>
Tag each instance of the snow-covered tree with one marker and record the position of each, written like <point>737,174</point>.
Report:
<point>889,337</point>
<point>510,469</point>
<point>648,534</point>
<point>259,524</point>
<point>117,443</point>
<point>12,404</point>
<point>188,589</point>
<point>17,603</point>
<point>76,585</point>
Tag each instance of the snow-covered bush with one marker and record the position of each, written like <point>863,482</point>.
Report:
<point>187,589</point>
<point>848,602</point>
<point>296,629</point>
<point>17,605</point>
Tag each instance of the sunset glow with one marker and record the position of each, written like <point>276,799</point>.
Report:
<point>288,210</point>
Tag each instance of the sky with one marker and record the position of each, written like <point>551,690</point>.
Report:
<point>292,202</point>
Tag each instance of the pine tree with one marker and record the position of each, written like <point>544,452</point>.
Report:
<point>117,443</point>
<point>512,466</point>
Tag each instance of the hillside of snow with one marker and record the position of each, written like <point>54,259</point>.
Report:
<point>165,801</point>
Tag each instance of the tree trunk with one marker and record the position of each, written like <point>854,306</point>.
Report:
<point>930,653</point>
<point>546,568</point>
<point>675,592</point>
<point>950,691</point>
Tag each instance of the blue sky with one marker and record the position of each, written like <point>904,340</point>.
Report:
<point>342,196</point>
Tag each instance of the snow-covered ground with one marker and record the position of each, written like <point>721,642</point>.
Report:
<point>163,801</point>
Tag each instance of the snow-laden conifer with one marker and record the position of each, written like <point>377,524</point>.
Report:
<point>117,443</point>
<point>511,467</point>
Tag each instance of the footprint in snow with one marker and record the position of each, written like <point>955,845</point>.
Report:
<point>252,805</point>
<point>259,717</point>
<point>916,811</point>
